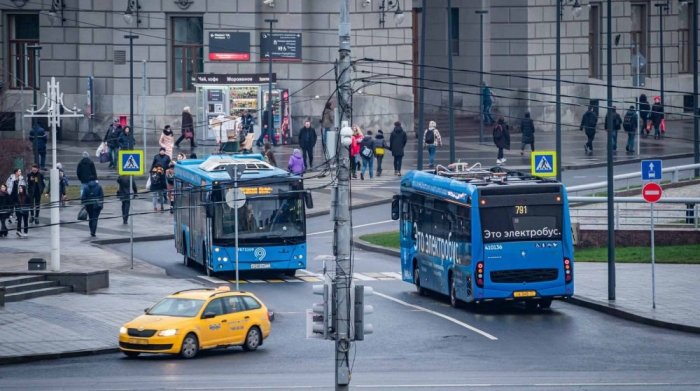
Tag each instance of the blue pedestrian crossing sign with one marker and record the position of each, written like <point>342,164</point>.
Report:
<point>543,163</point>
<point>651,170</point>
<point>130,162</point>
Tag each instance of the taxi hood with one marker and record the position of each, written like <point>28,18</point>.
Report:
<point>159,322</point>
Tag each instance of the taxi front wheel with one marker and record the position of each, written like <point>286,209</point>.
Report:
<point>252,339</point>
<point>190,346</point>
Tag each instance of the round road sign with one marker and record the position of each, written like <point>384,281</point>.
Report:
<point>652,192</point>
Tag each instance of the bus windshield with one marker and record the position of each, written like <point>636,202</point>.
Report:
<point>261,218</point>
<point>521,222</point>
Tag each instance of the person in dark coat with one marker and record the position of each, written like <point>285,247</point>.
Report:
<point>527,127</point>
<point>657,115</point>
<point>86,171</point>
<point>35,189</point>
<point>5,209</point>
<point>588,123</point>
<point>161,159</point>
<point>501,137</point>
<point>247,120</point>
<point>644,114</point>
<point>125,195</point>
<point>307,142</point>
<point>630,125</point>
<point>112,140</point>
<point>93,200</point>
<point>38,138</point>
<point>126,139</point>
<point>22,205</point>
<point>187,127</point>
<point>367,155</point>
<point>616,126</point>
<point>397,143</point>
<point>379,150</point>
<point>267,129</point>
<point>158,186</point>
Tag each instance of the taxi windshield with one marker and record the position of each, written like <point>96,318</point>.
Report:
<point>185,308</point>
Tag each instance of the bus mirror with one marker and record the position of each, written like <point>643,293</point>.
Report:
<point>308,200</point>
<point>395,208</point>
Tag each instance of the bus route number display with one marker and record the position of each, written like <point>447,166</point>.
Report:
<point>521,210</point>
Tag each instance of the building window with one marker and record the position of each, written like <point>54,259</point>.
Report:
<point>685,46</point>
<point>639,33</point>
<point>594,47</point>
<point>454,32</point>
<point>23,31</point>
<point>187,51</point>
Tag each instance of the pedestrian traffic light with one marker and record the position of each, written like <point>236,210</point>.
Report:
<point>360,310</point>
<point>321,312</point>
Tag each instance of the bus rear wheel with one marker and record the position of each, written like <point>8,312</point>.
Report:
<point>185,258</point>
<point>416,280</point>
<point>454,301</point>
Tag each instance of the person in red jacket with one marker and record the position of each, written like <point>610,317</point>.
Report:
<point>357,137</point>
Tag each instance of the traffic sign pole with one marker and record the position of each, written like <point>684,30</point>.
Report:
<point>131,222</point>
<point>653,262</point>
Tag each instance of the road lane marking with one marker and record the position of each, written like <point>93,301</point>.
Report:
<point>361,277</point>
<point>213,280</point>
<point>449,318</point>
<point>355,226</point>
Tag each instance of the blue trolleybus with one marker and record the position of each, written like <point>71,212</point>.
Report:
<point>271,214</point>
<point>478,235</point>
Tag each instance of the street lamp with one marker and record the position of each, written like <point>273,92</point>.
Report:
<point>132,7</point>
<point>450,22</point>
<point>576,10</point>
<point>36,49</point>
<point>131,38</point>
<point>389,5</point>
<point>662,7</point>
<point>270,117</point>
<point>696,111</point>
<point>481,14</point>
<point>610,171</point>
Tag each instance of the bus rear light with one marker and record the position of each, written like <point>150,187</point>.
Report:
<point>483,202</point>
<point>568,271</point>
<point>480,274</point>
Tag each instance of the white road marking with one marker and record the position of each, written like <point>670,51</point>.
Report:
<point>355,226</point>
<point>361,277</point>
<point>394,275</point>
<point>449,318</point>
<point>213,280</point>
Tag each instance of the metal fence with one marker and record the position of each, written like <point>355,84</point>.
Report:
<point>625,182</point>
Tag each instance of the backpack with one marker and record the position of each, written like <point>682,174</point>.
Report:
<point>430,137</point>
<point>627,122</point>
<point>156,179</point>
<point>616,121</point>
<point>366,151</point>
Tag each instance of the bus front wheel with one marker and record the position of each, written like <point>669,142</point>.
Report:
<point>416,280</point>
<point>207,262</point>
<point>185,258</point>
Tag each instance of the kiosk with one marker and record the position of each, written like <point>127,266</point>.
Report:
<point>229,95</point>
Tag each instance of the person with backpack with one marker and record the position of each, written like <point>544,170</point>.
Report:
<point>86,171</point>
<point>432,140</point>
<point>157,178</point>
<point>125,195</point>
<point>644,115</point>
<point>501,137</point>
<point>629,123</point>
<point>307,142</point>
<point>588,123</point>
<point>657,117</point>
<point>397,144</point>
<point>616,126</point>
<point>379,149</point>
<point>367,153</point>
<point>93,201</point>
<point>527,127</point>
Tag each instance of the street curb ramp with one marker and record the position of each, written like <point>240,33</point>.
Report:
<point>53,356</point>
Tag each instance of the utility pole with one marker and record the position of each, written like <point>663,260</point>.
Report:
<point>421,94</point>
<point>450,21</point>
<point>557,121</point>
<point>131,38</point>
<point>143,108</point>
<point>270,117</point>
<point>696,111</point>
<point>481,14</point>
<point>662,7</point>
<point>343,230</point>
<point>610,172</point>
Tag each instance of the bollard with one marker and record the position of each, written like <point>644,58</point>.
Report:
<point>37,264</point>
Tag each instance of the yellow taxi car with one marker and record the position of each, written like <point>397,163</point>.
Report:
<point>196,319</point>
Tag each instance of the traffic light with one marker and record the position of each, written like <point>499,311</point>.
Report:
<point>321,312</point>
<point>360,310</point>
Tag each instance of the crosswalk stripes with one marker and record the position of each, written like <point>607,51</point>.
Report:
<point>308,277</point>
<point>384,182</point>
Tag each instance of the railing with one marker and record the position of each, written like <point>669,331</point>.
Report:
<point>634,177</point>
<point>634,212</point>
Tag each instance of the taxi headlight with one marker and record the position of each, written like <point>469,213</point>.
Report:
<point>122,330</point>
<point>167,333</point>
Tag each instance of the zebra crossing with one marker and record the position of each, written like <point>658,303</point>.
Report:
<point>385,182</point>
<point>304,276</point>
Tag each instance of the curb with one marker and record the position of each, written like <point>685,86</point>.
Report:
<point>53,356</point>
<point>576,300</point>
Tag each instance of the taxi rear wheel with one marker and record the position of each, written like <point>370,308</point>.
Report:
<point>131,354</point>
<point>252,339</point>
<point>190,346</point>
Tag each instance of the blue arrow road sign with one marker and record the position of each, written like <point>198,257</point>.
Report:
<point>651,170</point>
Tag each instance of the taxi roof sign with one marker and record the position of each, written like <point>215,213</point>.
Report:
<point>543,163</point>
<point>130,162</point>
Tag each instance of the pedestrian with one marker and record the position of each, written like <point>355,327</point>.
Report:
<point>296,163</point>
<point>268,128</point>
<point>93,201</point>
<point>62,185</point>
<point>160,159</point>
<point>357,137</point>
<point>35,189</point>
<point>379,149</point>
<point>22,205</point>
<point>616,126</point>
<point>487,99</point>
<point>170,185</point>
<point>247,120</point>
<point>397,143</point>
<point>644,115</point>
<point>187,128</point>
<point>588,123</point>
<point>307,142</point>
<point>501,137</point>
<point>125,195</point>
<point>527,127</point>
<point>86,171</point>
<point>432,140</point>
<point>657,117</point>
<point>367,155</point>
<point>14,180</point>
<point>158,186</point>
<point>269,155</point>
<point>247,142</point>
<point>5,209</point>
<point>126,139</point>
<point>38,137</point>
<point>629,123</point>
<point>167,140</point>
<point>181,157</point>
<point>112,140</point>
<point>327,122</point>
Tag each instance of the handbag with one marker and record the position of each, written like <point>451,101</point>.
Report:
<point>82,215</point>
<point>148,183</point>
<point>379,151</point>
<point>104,156</point>
<point>663,125</point>
<point>188,133</point>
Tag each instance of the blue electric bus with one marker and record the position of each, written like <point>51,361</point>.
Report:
<point>478,235</point>
<point>271,214</point>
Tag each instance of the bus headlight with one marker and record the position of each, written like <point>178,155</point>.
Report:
<point>225,259</point>
<point>216,249</point>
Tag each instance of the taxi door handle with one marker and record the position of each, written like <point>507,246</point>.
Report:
<point>246,317</point>
<point>223,320</point>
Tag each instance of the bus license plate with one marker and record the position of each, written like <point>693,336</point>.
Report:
<point>260,266</point>
<point>138,341</point>
<point>524,294</point>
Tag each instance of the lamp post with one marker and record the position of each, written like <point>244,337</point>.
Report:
<point>270,117</point>
<point>662,7</point>
<point>611,190</point>
<point>35,88</point>
<point>421,81</point>
<point>131,38</point>
<point>450,21</point>
<point>481,14</point>
<point>696,112</point>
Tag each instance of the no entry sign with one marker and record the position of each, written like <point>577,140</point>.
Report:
<point>651,192</point>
